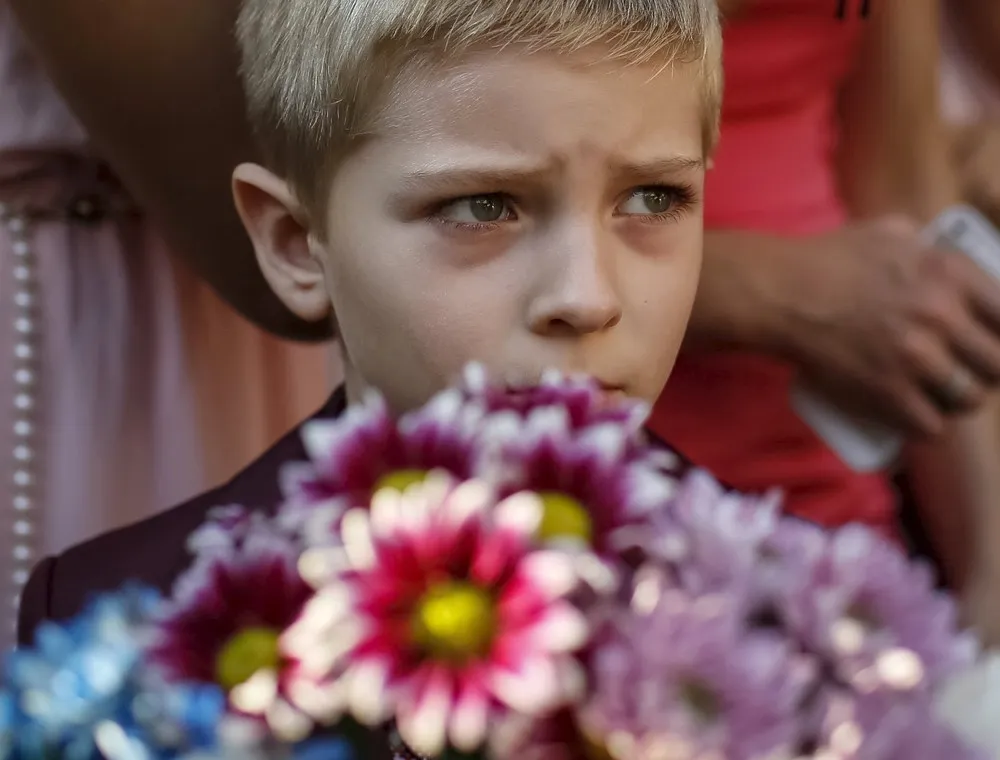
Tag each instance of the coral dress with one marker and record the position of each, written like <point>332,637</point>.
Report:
<point>126,386</point>
<point>785,61</point>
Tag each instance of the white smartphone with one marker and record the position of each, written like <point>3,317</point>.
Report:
<point>865,445</point>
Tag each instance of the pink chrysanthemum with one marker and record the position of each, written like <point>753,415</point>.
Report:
<point>590,480</point>
<point>224,620</point>
<point>443,616</point>
<point>582,397</point>
<point>352,457</point>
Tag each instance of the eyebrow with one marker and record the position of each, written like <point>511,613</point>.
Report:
<point>450,177</point>
<point>661,167</point>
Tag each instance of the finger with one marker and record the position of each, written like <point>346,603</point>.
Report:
<point>936,369</point>
<point>976,347</point>
<point>984,298</point>
<point>921,417</point>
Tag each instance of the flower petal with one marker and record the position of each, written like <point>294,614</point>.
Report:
<point>562,628</point>
<point>256,695</point>
<point>355,530</point>
<point>366,691</point>
<point>288,724</point>
<point>470,498</point>
<point>520,513</point>
<point>469,722</point>
<point>323,702</point>
<point>425,727</point>
<point>318,437</point>
<point>552,572</point>
<point>531,689</point>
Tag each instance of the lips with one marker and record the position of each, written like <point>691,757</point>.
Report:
<point>612,392</point>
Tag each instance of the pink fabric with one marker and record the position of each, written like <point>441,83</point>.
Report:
<point>785,61</point>
<point>116,407</point>
<point>152,388</point>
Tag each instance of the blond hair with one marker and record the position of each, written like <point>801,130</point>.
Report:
<point>314,71</point>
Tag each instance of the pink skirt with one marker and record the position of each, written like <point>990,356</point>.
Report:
<point>126,386</point>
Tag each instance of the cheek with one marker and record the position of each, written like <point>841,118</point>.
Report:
<point>663,295</point>
<point>414,303</point>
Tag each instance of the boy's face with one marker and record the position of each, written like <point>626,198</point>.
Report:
<point>528,211</point>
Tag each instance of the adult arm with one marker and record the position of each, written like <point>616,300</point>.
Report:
<point>896,159</point>
<point>845,306</point>
<point>155,83</point>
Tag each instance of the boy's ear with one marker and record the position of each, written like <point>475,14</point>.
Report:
<point>276,223</point>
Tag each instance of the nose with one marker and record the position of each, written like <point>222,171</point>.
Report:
<point>578,296</point>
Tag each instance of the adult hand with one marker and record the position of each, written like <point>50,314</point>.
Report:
<point>905,332</point>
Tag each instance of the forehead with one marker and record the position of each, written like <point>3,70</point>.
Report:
<point>548,103</point>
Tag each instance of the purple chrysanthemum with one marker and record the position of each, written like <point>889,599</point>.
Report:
<point>713,540</point>
<point>875,616</point>
<point>683,673</point>
<point>225,617</point>
<point>882,726</point>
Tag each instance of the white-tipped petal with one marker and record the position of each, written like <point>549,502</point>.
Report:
<point>469,721</point>
<point>469,499</point>
<point>325,703</point>
<point>520,513</point>
<point>475,377</point>
<point>256,695</point>
<point>552,571</point>
<point>366,691</point>
<point>318,437</point>
<point>532,689</point>
<point>325,652</point>
<point>321,565</point>
<point>326,608</point>
<point>563,628</point>
<point>386,512</point>
<point>288,724</point>
<point>650,489</point>
<point>606,440</point>
<point>425,728</point>
<point>355,532</point>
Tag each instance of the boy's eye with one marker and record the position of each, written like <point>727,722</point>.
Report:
<point>649,201</point>
<point>478,209</point>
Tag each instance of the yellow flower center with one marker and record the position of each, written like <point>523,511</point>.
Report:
<point>564,517</point>
<point>400,480</point>
<point>249,651</point>
<point>455,621</point>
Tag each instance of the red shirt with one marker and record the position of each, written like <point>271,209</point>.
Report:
<point>785,63</point>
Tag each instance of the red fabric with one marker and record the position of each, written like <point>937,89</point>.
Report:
<point>785,61</point>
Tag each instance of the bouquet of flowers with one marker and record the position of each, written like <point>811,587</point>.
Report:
<point>506,573</point>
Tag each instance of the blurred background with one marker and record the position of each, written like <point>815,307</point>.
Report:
<point>142,359</point>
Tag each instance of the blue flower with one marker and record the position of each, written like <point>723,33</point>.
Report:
<point>81,692</point>
<point>337,748</point>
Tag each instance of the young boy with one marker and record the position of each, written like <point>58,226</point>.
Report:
<point>510,181</point>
